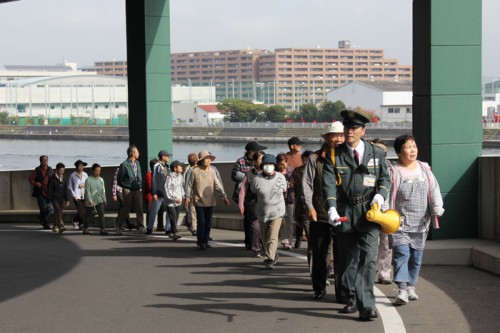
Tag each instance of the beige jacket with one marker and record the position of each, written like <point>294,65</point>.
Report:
<point>202,186</point>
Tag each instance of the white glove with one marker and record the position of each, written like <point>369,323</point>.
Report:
<point>333,216</point>
<point>438,211</point>
<point>379,200</point>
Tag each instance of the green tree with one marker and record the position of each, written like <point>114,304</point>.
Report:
<point>4,118</point>
<point>308,112</point>
<point>235,110</point>
<point>330,111</point>
<point>275,114</point>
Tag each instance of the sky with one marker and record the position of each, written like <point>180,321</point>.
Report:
<point>46,32</point>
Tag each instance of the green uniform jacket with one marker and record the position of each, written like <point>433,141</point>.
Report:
<point>351,187</point>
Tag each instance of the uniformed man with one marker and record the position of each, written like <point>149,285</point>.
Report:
<point>355,177</point>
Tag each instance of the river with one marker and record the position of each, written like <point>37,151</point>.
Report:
<point>23,154</point>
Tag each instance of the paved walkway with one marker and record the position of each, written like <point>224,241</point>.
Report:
<point>137,283</point>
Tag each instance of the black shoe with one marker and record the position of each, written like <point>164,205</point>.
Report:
<point>297,244</point>
<point>46,227</point>
<point>193,233</point>
<point>149,232</point>
<point>208,246</point>
<point>103,233</point>
<point>368,314</point>
<point>202,247</point>
<point>319,294</point>
<point>350,307</point>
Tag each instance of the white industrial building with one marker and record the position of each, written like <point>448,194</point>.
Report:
<point>390,101</point>
<point>79,98</point>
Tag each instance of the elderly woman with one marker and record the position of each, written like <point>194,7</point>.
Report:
<point>269,188</point>
<point>201,190</point>
<point>416,196</point>
<point>95,200</point>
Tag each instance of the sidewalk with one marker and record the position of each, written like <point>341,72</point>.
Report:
<point>479,253</point>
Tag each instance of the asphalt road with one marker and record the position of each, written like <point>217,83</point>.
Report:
<point>75,283</point>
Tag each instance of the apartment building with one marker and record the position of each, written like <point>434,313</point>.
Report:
<point>111,68</point>
<point>305,75</point>
<point>234,73</point>
<point>287,76</point>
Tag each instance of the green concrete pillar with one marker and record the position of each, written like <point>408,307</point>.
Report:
<point>149,77</point>
<point>447,105</point>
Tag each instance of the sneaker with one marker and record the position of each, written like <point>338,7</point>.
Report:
<point>412,295</point>
<point>118,231</point>
<point>177,236</point>
<point>257,254</point>
<point>401,298</point>
<point>171,235</point>
<point>76,225</point>
<point>287,247</point>
<point>384,280</point>
<point>61,230</point>
<point>269,265</point>
<point>55,229</point>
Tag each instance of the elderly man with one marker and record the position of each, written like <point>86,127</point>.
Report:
<point>241,167</point>
<point>320,231</point>
<point>355,177</point>
<point>39,179</point>
<point>130,179</point>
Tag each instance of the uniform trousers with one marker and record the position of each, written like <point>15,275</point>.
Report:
<point>359,261</point>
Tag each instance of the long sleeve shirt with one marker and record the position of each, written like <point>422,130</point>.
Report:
<point>116,188</point>
<point>174,189</point>
<point>74,185</point>
<point>94,191</point>
<point>202,187</point>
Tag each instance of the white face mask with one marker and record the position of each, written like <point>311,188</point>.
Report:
<point>268,168</point>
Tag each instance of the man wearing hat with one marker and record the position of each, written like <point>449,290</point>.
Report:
<point>320,234</point>
<point>294,156</point>
<point>355,177</point>
<point>158,178</point>
<point>243,165</point>
<point>76,186</point>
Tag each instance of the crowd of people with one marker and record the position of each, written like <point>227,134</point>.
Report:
<point>322,195</point>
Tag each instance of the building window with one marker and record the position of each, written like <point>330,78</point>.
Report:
<point>393,110</point>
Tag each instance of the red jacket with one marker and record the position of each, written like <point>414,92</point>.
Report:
<point>147,188</point>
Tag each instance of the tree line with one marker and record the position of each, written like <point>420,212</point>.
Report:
<point>236,110</point>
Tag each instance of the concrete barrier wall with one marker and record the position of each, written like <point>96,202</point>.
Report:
<point>15,190</point>
<point>489,198</point>
<point>15,193</point>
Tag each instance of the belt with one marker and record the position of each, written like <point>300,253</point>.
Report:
<point>354,200</point>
